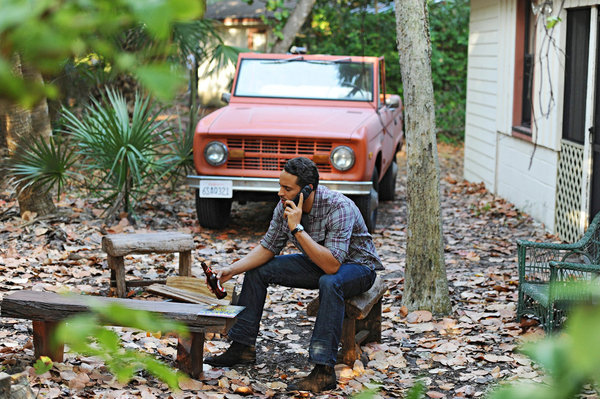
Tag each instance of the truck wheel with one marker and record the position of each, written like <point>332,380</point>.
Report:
<point>213,213</point>
<point>387,186</point>
<point>368,204</point>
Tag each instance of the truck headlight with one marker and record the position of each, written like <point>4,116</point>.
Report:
<point>215,153</point>
<point>342,158</point>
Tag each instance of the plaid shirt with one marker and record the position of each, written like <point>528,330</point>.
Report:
<point>334,222</point>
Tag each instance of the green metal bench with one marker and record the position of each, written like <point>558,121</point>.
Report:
<point>545,267</point>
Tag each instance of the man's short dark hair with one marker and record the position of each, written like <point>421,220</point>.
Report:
<point>304,169</point>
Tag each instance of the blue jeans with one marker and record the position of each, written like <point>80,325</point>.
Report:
<point>298,271</point>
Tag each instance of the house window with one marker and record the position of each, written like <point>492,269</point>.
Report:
<point>524,61</point>
<point>576,72</point>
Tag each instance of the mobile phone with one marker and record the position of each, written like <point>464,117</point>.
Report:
<point>306,190</point>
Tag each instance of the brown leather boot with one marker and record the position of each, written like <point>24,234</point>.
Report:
<point>236,354</point>
<point>321,378</point>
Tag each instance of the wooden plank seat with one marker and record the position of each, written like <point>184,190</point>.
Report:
<point>47,309</point>
<point>545,267</point>
<point>117,246</point>
<point>362,320</point>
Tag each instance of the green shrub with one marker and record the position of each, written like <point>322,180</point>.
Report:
<point>120,152</point>
<point>86,335</point>
<point>449,27</point>
<point>43,164</point>
<point>180,157</point>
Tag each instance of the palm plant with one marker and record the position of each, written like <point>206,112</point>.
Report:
<point>120,151</point>
<point>42,164</point>
<point>179,158</point>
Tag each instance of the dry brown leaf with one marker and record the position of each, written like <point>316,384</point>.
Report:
<point>403,311</point>
<point>28,216</point>
<point>446,347</point>
<point>243,390</point>
<point>419,316</point>
<point>435,395</point>
<point>79,382</point>
<point>189,384</point>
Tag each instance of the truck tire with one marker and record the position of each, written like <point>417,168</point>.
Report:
<point>213,213</point>
<point>368,204</point>
<point>387,186</point>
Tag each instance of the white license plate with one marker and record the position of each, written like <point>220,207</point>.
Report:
<point>216,189</point>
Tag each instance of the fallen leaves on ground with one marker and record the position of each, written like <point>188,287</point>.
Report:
<point>460,355</point>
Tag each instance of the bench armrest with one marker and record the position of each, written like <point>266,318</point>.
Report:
<point>534,258</point>
<point>581,267</point>
<point>548,245</point>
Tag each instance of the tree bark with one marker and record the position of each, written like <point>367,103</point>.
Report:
<point>20,126</point>
<point>425,281</point>
<point>293,25</point>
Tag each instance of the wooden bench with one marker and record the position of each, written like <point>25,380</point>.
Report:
<point>362,320</point>
<point>117,246</point>
<point>47,309</point>
<point>544,267</point>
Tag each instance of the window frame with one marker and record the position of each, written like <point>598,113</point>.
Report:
<point>525,38</point>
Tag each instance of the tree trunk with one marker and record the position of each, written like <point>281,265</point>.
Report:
<point>425,281</point>
<point>293,25</point>
<point>20,126</point>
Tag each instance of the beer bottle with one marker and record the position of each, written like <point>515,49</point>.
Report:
<point>213,282</point>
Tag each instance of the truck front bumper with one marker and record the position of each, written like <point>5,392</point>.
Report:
<point>266,185</point>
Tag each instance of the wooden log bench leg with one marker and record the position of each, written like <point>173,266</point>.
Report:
<point>185,263</point>
<point>117,264</point>
<point>190,351</point>
<point>359,331</point>
<point>370,326</point>
<point>42,341</point>
<point>348,355</point>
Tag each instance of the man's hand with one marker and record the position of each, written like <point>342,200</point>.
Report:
<point>293,213</point>
<point>255,258</point>
<point>225,274</point>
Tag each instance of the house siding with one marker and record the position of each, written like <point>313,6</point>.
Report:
<point>527,177</point>
<point>516,169</point>
<point>480,131</point>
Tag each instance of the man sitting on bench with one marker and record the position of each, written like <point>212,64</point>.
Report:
<point>338,258</point>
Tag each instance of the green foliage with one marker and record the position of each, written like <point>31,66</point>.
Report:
<point>180,157</point>
<point>43,164</point>
<point>552,20</point>
<point>279,12</point>
<point>571,359</point>
<point>449,29</point>
<point>42,365</point>
<point>364,32</point>
<point>342,28</point>
<point>280,16</point>
<point>119,152</point>
<point>46,33</point>
<point>85,334</point>
<point>417,391</point>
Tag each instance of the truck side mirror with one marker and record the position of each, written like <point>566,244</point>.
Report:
<point>393,100</point>
<point>225,97</point>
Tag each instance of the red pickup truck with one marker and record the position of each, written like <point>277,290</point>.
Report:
<point>331,109</point>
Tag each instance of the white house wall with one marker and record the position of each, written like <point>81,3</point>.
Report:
<point>492,154</point>
<point>527,178</point>
<point>480,123</point>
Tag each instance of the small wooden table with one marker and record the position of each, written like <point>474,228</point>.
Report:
<point>47,309</point>
<point>117,246</point>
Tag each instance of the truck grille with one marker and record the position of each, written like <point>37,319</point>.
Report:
<point>272,154</point>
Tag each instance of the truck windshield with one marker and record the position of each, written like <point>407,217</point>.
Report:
<point>305,79</point>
